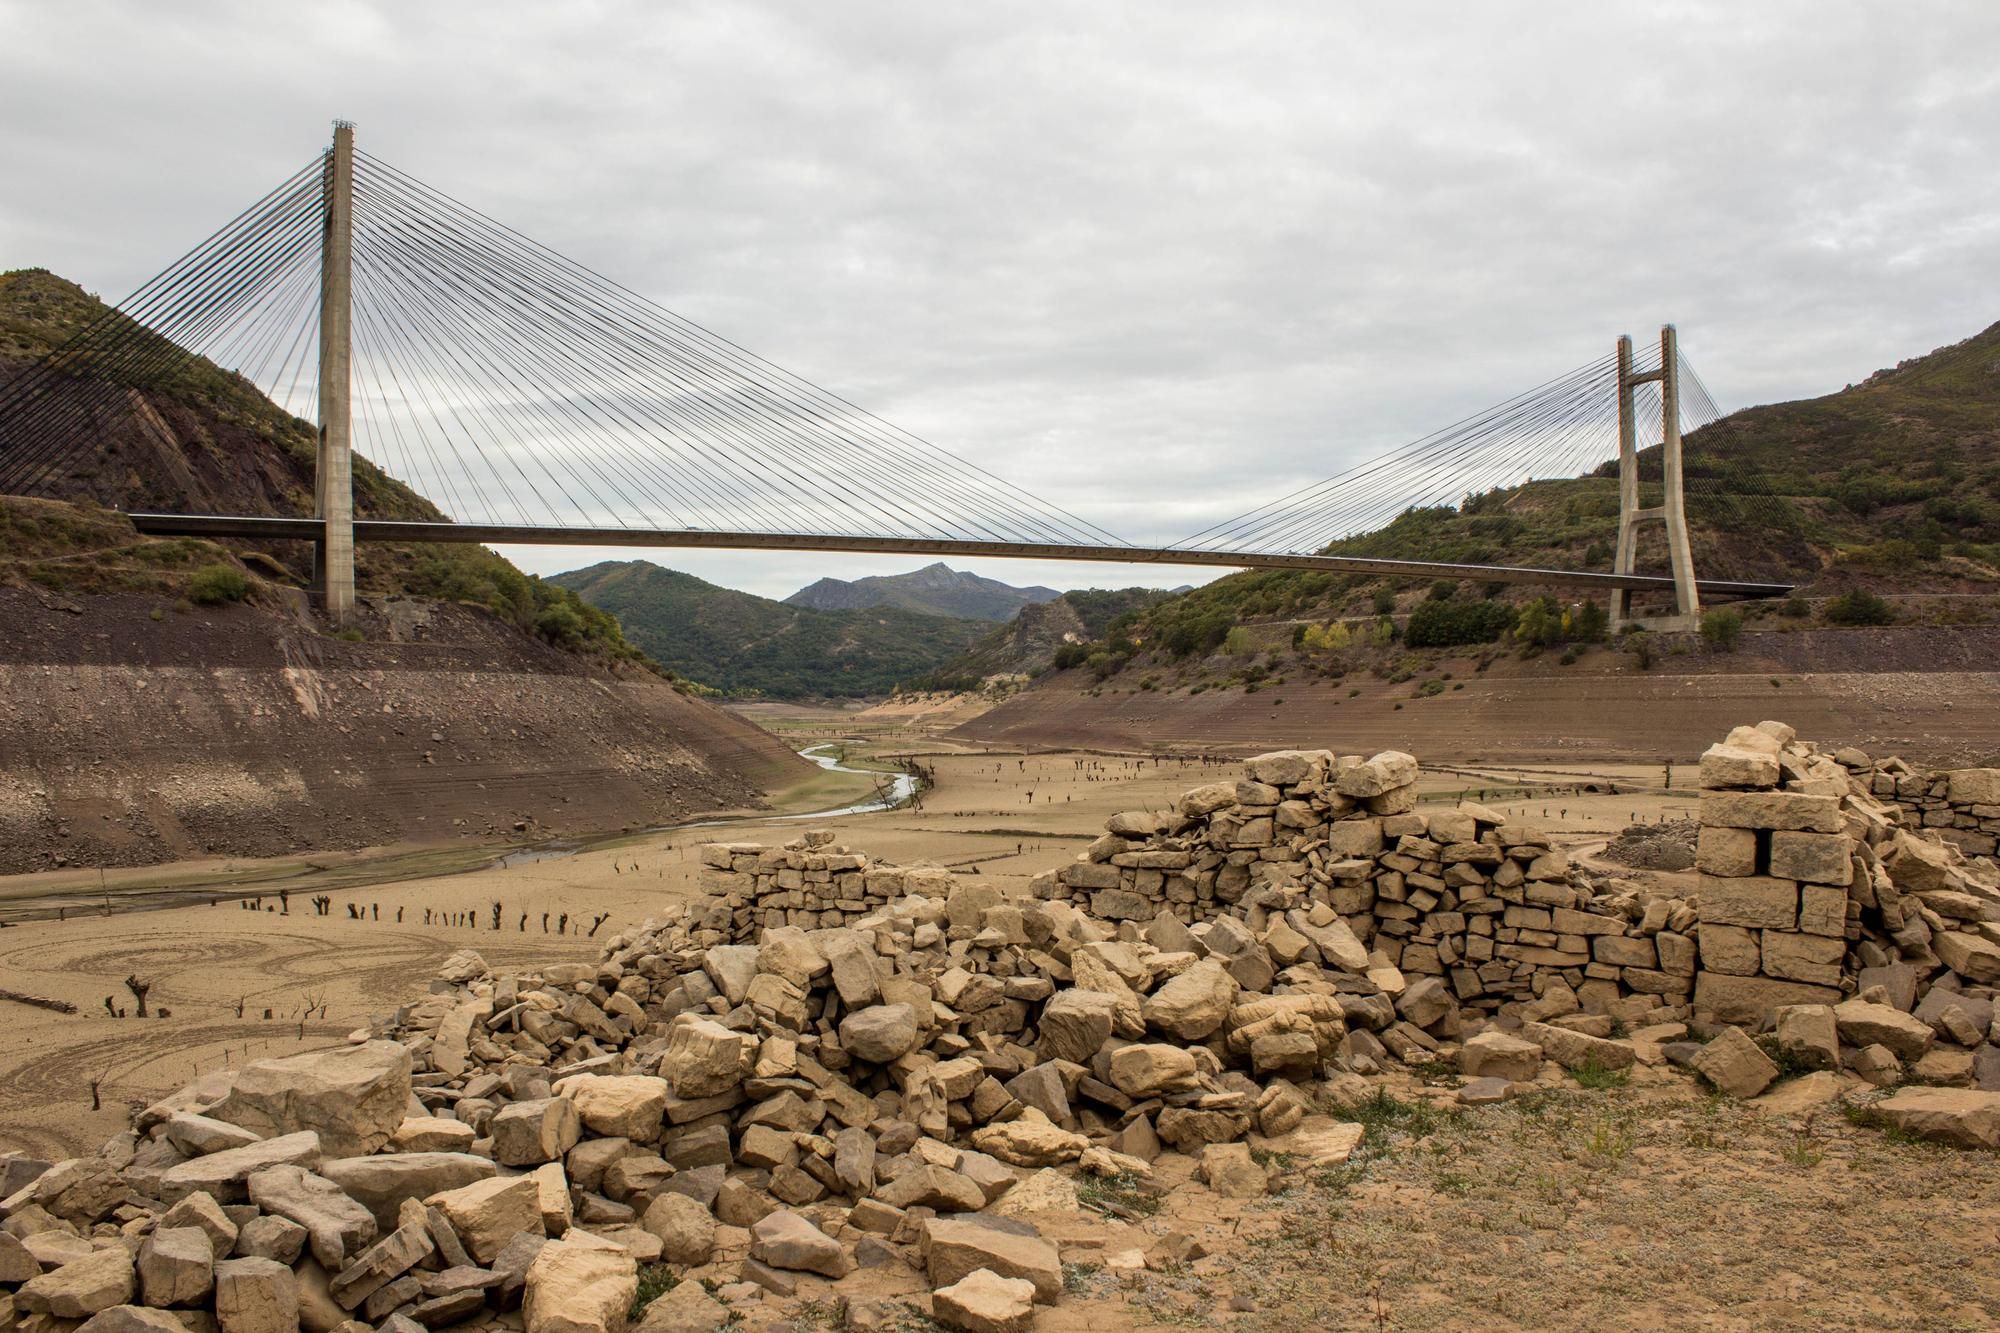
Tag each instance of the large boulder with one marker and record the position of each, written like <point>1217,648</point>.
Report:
<point>533,1132</point>
<point>256,1296</point>
<point>488,1213</point>
<point>1075,1024</point>
<point>984,1302</point>
<point>1150,1069</point>
<point>1496,1054</point>
<point>381,1183</point>
<point>223,1175</point>
<point>688,1308</point>
<point>628,1106</point>
<point>954,1249</point>
<point>881,1033</point>
<point>1960,1116</point>
<point>1194,1004</point>
<point>685,1229</point>
<point>786,1240</point>
<point>1735,1064</point>
<point>337,1226</point>
<point>176,1266</point>
<point>82,1287</point>
<point>704,1058</point>
<point>1029,1141</point>
<point>352,1098</point>
<point>1862,1023</point>
<point>576,1288</point>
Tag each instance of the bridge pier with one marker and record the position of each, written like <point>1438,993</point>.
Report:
<point>1672,511</point>
<point>334,476</point>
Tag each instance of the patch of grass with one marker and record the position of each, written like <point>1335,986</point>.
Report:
<point>655,1281</point>
<point>1436,1073</point>
<point>213,585</point>
<point>1076,1278</point>
<point>1274,1161</point>
<point>833,1315</point>
<point>1611,1137</point>
<point>1594,1075</point>
<point>1381,1115</point>
<point>1867,1117</point>
<point>1802,1150</point>
<point>1120,1195</point>
<point>1451,1182</point>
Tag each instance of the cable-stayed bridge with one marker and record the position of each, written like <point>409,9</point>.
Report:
<point>536,401</point>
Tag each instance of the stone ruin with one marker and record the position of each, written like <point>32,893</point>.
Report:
<point>827,1063</point>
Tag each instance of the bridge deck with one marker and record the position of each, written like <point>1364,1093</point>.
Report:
<point>379,530</point>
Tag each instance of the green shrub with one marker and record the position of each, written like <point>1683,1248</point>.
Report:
<point>1430,689</point>
<point>215,584</point>
<point>560,624</point>
<point>1385,602</point>
<point>1444,624</point>
<point>1722,628</point>
<point>1794,608</point>
<point>1859,607</point>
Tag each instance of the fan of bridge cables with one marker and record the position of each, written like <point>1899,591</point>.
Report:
<point>1564,429</point>
<point>511,385</point>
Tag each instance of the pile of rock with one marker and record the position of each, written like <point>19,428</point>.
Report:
<point>1329,860</point>
<point>816,1070</point>
<point>1870,946</point>
<point>1961,805</point>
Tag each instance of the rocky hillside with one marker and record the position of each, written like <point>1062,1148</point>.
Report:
<point>1029,643</point>
<point>135,730</point>
<point>746,645</point>
<point>1881,502</point>
<point>936,589</point>
<point>164,698</point>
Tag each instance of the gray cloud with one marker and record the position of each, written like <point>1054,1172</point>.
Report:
<point>1158,262</point>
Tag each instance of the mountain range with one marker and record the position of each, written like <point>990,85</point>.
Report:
<point>936,589</point>
<point>746,645</point>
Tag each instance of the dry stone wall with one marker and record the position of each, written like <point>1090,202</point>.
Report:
<point>1962,806</point>
<point>825,1064</point>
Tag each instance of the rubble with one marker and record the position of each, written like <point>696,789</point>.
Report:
<point>827,1063</point>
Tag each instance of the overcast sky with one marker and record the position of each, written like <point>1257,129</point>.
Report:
<point>1155,261</point>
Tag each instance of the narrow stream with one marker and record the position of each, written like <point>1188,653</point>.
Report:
<point>902,787</point>
<point>141,897</point>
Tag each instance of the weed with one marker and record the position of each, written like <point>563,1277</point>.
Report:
<point>1273,1161</point>
<point>1436,1073</point>
<point>1790,1064</point>
<point>1121,1195</point>
<point>1802,1150</point>
<point>1382,1114</point>
<point>655,1281</point>
<point>1594,1075</point>
<point>1867,1117</point>
<point>833,1315</point>
<point>1452,1182</point>
<point>1610,1137</point>
<point>1076,1278</point>
<point>1703,1137</point>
